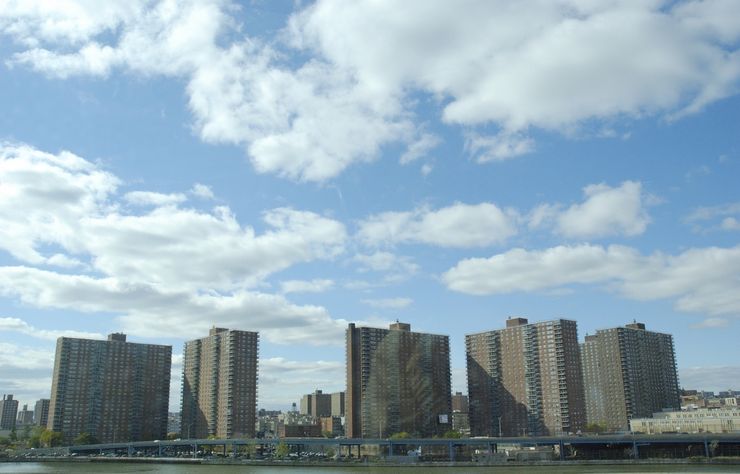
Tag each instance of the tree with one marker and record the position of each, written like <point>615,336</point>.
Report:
<point>400,435</point>
<point>172,435</point>
<point>595,428</point>
<point>452,434</point>
<point>85,438</point>
<point>281,450</point>
<point>50,438</point>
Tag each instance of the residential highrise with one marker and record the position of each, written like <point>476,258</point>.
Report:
<point>337,404</point>
<point>219,385</point>
<point>397,381</point>
<point>41,412</point>
<point>317,404</point>
<point>113,390</point>
<point>25,416</point>
<point>525,380</point>
<point>8,412</point>
<point>628,372</point>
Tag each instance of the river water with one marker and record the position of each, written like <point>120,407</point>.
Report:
<point>126,468</point>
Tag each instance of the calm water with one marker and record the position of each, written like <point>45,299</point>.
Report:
<point>64,468</point>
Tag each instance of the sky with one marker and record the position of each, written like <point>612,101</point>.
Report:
<point>291,167</point>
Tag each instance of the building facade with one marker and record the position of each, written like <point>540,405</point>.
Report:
<point>525,380</point>
<point>41,412</point>
<point>114,390</point>
<point>703,420</point>
<point>317,404</point>
<point>219,385</point>
<point>628,372</point>
<point>8,412</point>
<point>397,381</point>
<point>337,404</point>
<point>25,417</point>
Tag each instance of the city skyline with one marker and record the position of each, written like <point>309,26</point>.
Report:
<point>290,168</point>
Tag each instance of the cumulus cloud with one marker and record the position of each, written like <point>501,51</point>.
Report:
<point>459,225</point>
<point>698,280</point>
<point>166,270</point>
<point>202,191</point>
<point>345,92</point>
<point>723,216</point>
<point>606,211</point>
<point>306,286</point>
<point>282,379</point>
<point>18,325</point>
<point>149,198</point>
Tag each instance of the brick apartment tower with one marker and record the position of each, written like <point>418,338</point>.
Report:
<point>41,412</point>
<point>628,372</point>
<point>219,385</point>
<point>525,380</point>
<point>397,381</point>
<point>8,412</point>
<point>114,390</point>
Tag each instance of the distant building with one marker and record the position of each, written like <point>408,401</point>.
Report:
<point>312,430</point>
<point>459,403</point>
<point>331,425</point>
<point>8,412</point>
<point>337,404</point>
<point>704,420</point>
<point>628,372</point>
<point>460,418</point>
<point>41,412</point>
<point>114,390</point>
<point>25,417</point>
<point>397,381</point>
<point>219,385</point>
<point>173,422</point>
<point>525,380</point>
<point>316,404</point>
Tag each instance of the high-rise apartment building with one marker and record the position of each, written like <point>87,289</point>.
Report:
<point>8,412</point>
<point>628,372</point>
<point>337,404</point>
<point>525,380</point>
<point>397,381</point>
<point>219,385</point>
<point>41,412</point>
<point>316,404</point>
<point>25,416</point>
<point>113,390</point>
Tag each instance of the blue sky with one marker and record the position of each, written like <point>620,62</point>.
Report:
<point>289,168</point>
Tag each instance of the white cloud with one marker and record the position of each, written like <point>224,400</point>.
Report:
<point>712,323</point>
<point>713,379</point>
<point>698,280</point>
<point>202,191</point>
<point>730,223</point>
<point>420,148</point>
<point>13,356</point>
<point>283,381</point>
<point>304,286</point>
<point>345,92</point>
<point>148,198</point>
<point>18,325</point>
<point>458,225</point>
<point>150,310</point>
<point>606,211</point>
<point>168,267</point>
<point>730,214</point>
<point>44,197</point>
<point>389,303</point>
<point>498,147</point>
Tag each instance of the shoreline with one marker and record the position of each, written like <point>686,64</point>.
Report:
<point>733,461</point>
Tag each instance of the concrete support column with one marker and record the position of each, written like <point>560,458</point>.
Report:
<point>451,447</point>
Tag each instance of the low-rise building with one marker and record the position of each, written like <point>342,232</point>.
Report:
<point>703,420</point>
